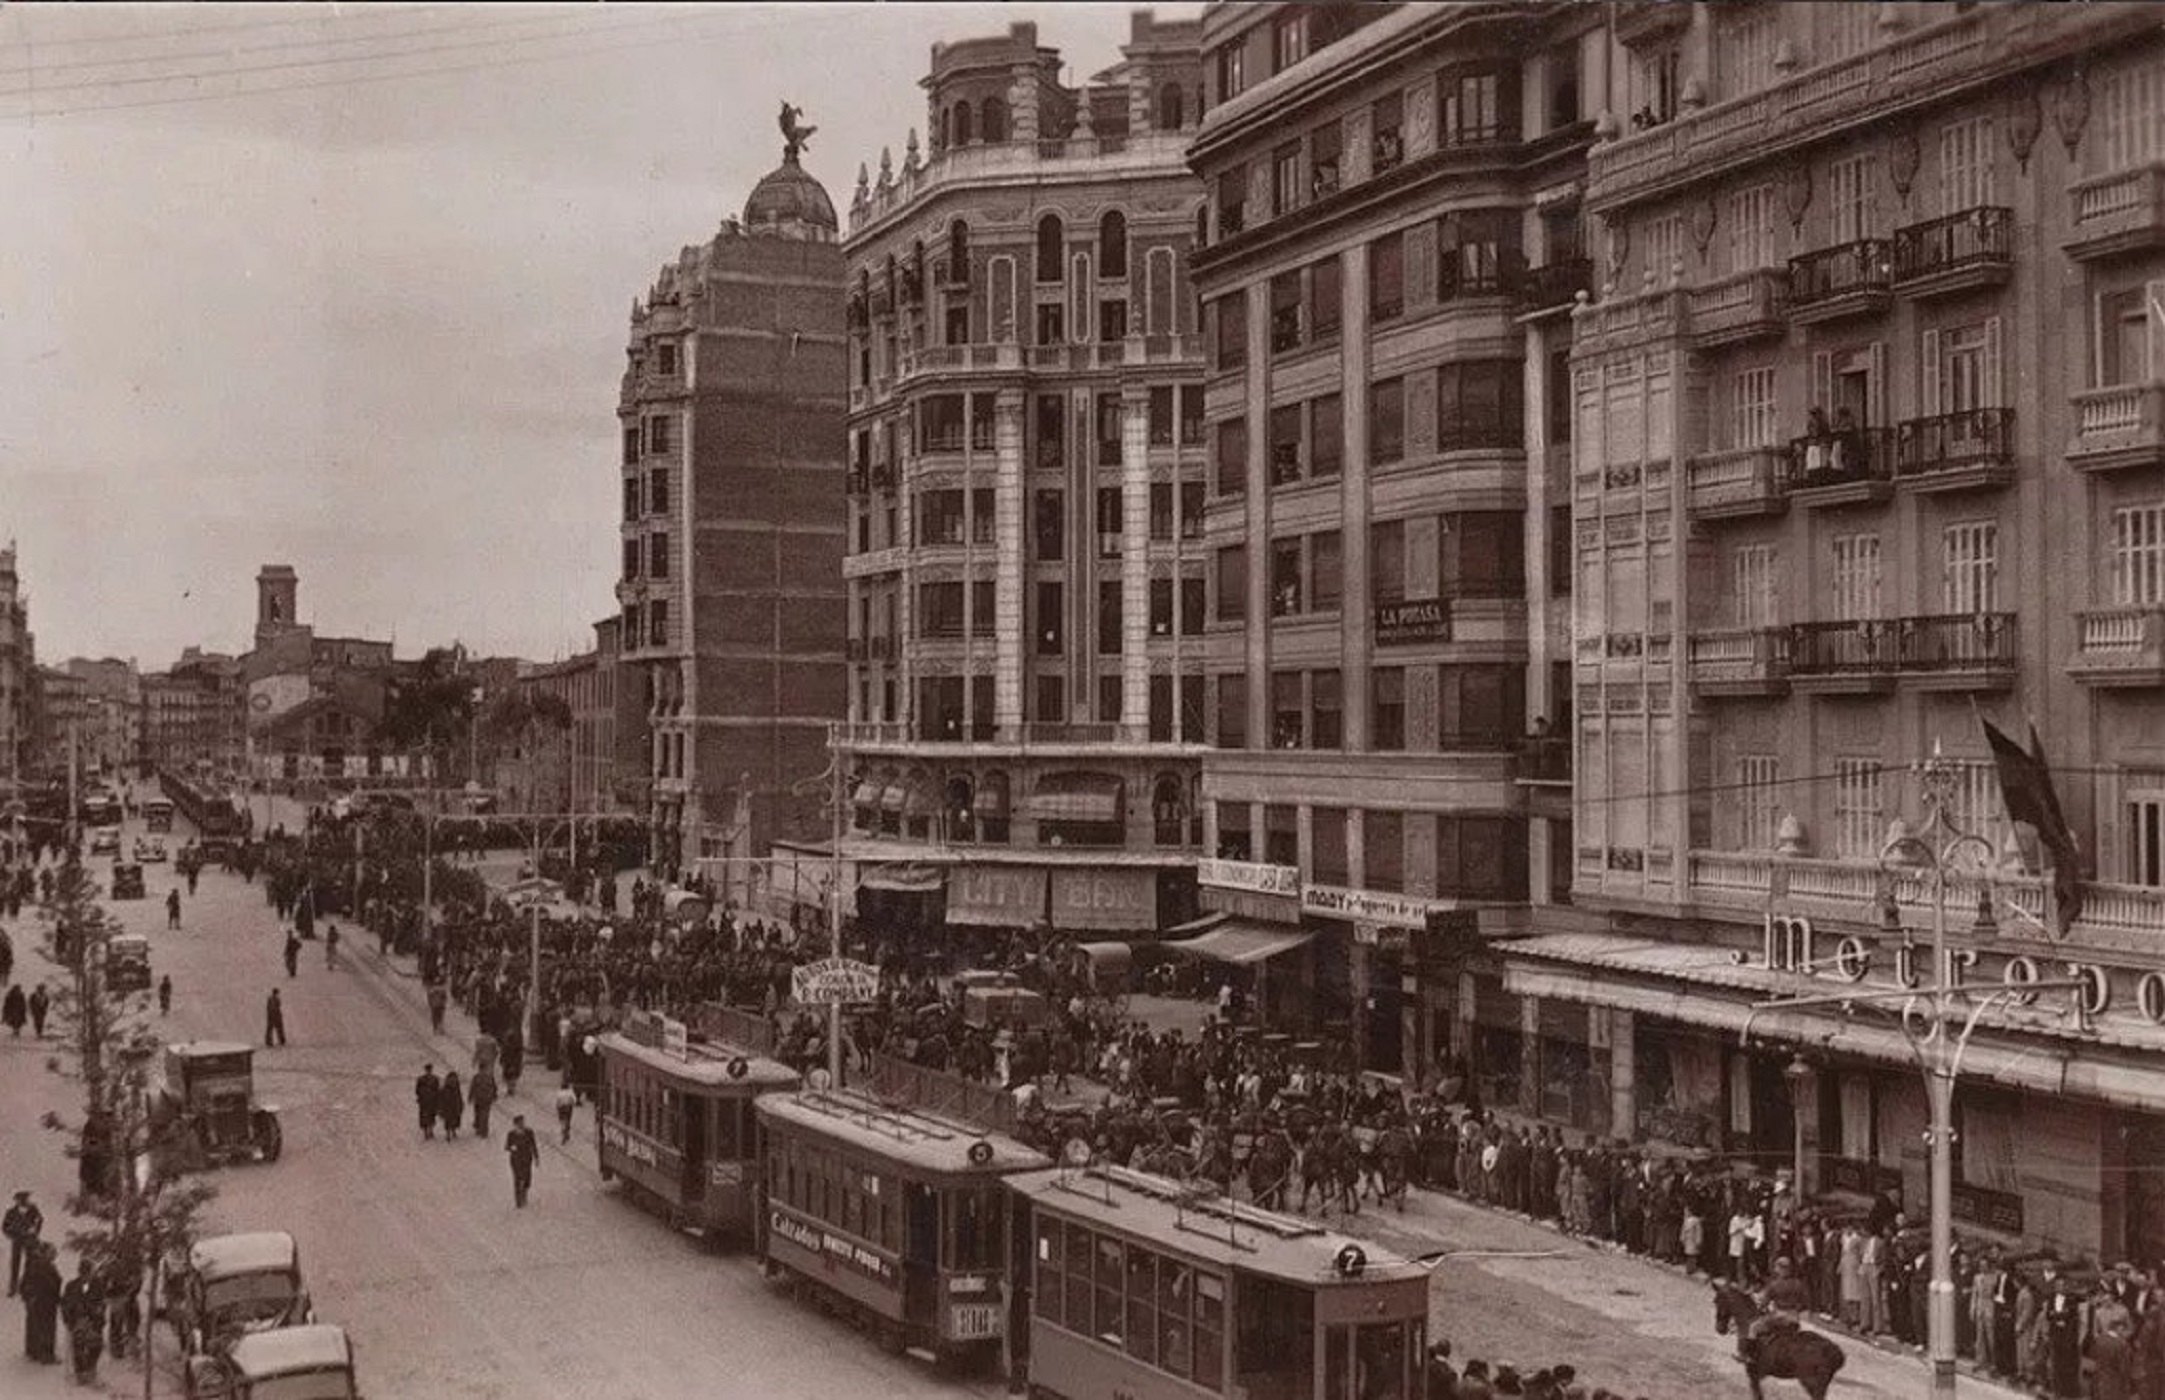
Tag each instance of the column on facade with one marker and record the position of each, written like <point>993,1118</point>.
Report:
<point>1541,594</point>
<point>1008,545</point>
<point>1256,502</point>
<point>1354,589</point>
<point>1135,563</point>
<point>1022,95</point>
<point>1623,1075</point>
<point>1676,763</point>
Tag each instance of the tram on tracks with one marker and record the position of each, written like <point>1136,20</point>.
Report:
<point>895,1217</point>
<point>676,1125</point>
<point>1141,1288</point>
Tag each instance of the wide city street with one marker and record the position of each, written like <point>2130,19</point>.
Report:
<point>450,1292</point>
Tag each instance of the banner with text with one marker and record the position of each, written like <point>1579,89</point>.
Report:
<point>1105,899</point>
<point>1000,895</point>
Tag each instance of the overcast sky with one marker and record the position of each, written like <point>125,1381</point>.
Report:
<point>372,325</point>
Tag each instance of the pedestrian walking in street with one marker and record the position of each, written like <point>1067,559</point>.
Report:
<point>437,1000</point>
<point>172,909</point>
<point>274,1020</point>
<point>193,872</point>
<point>520,1146</point>
<point>330,947</point>
<point>41,1307</point>
<point>451,1103</point>
<point>14,1009</point>
<point>82,1306</point>
<point>514,1062</point>
<point>425,1090</point>
<point>482,1092</point>
<point>165,995</point>
<point>293,954</point>
<point>566,1101</point>
<point>22,1225</point>
<point>40,1003</point>
<point>123,1306</point>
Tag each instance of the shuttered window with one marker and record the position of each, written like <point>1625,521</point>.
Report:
<point>1965,165</point>
<point>1970,567</point>
<point>2138,555</point>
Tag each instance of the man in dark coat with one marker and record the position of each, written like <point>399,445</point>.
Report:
<point>274,1020</point>
<point>293,956</point>
<point>41,1306</point>
<point>520,1146</point>
<point>481,1093</point>
<point>82,1304</point>
<point>425,1090</point>
<point>14,1010</point>
<point>2064,1339</point>
<point>40,1003</point>
<point>21,1225</point>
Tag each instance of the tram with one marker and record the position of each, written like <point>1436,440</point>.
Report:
<point>895,1217</point>
<point>676,1124</point>
<point>1142,1288</point>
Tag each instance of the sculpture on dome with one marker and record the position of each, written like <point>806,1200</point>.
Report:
<point>795,135</point>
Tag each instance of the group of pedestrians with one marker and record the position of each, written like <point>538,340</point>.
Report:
<point>440,1100</point>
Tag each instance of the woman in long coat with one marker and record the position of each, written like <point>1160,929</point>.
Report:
<point>451,1103</point>
<point>41,1287</point>
<point>1852,1275</point>
<point>14,1010</point>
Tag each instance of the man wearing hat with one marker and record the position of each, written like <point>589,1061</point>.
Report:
<point>1442,1379</point>
<point>22,1225</point>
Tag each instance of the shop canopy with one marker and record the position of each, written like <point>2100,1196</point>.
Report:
<point>902,879</point>
<point>1241,942</point>
<point>1077,797</point>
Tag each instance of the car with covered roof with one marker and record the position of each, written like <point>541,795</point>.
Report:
<point>312,1361</point>
<point>231,1285</point>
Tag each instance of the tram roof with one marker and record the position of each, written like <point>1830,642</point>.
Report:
<point>909,1137</point>
<point>1206,1226</point>
<point>707,1065</point>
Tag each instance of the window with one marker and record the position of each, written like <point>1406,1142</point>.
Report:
<point>1285,577</point>
<point>1970,568</point>
<point>1288,40</point>
<point>1231,61</point>
<point>1326,435</point>
<point>1663,238</point>
<point>939,518</point>
<point>1161,607</point>
<point>1478,109</point>
<point>1232,201</point>
<point>1387,561</point>
<point>939,609</point>
<point>1326,299</point>
<point>1191,510</point>
<point>1172,108</point>
<point>1759,805</point>
<point>958,252</point>
<point>1110,517</point>
<point>1232,734</point>
<point>1161,510</point>
<point>1656,83</point>
<point>1481,857</point>
<point>2146,839</point>
<point>1191,604</point>
<point>1383,842</point>
<point>1051,430</point>
<point>1326,571</point>
<point>939,423</point>
<point>632,618</point>
<point>1856,577</point>
<point>1754,412</point>
<point>1285,179</point>
<point>1387,278</point>
<point>1161,415</point>
<point>1857,824</point>
<point>2130,335</point>
<point>1051,623</point>
<point>2130,115</point>
<point>660,433</point>
<point>1387,692</point>
<point>1109,629</point>
<point>1325,144</point>
<point>1751,228</point>
<point>1965,165</point>
<point>1744,45</point>
<point>632,558</point>
<point>1326,712</point>
<point>2138,555</point>
<point>1286,727</point>
<point>665,357</point>
<point>657,616</point>
<point>1285,444</point>
<point>1232,457</point>
<point>982,523</point>
<point>1112,319</point>
<point>1191,415</point>
<point>1961,368</point>
<point>657,493</point>
<point>1285,312</point>
<point>984,614</point>
<point>1230,315</point>
<point>657,556</point>
<point>1233,583</point>
<point>631,445</point>
<point>1052,325</point>
<point>1052,698</point>
<point>1751,572</point>
<point>1387,143</point>
<point>1108,429</point>
<point>1480,404</point>
<point>1051,526</point>
<point>1051,250</point>
<point>1483,554</point>
<point>1387,420</point>
<point>631,496</point>
<point>1477,250</point>
<point>1851,184</point>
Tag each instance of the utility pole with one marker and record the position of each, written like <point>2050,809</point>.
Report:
<point>74,817</point>
<point>834,919</point>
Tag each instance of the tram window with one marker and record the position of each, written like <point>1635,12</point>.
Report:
<point>1110,1273</point>
<point>1273,1331</point>
<point>973,1227</point>
<point>1081,1247</point>
<point>922,1227</point>
<point>1176,1296</point>
<point>1338,1364</point>
<point>1142,1331</point>
<point>727,1146</point>
<point>672,1130</point>
<point>1209,1331</point>
<point>1379,1361</point>
<point>1046,1293</point>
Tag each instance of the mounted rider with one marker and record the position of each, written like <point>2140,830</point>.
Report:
<point>1785,1300</point>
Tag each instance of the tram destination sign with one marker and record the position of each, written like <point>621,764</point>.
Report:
<point>834,980</point>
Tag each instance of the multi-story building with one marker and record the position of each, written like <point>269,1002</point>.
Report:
<point>1869,426</point>
<point>579,770</point>
<point>111,736</point>
<point>193,714</point>
<point>18,666</point>
<point>731,588</point>
<point>1393,246</point>
<point>64,711</point>
<point>1025,495</point>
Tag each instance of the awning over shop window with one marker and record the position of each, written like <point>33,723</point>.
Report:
<point>1077,797</point>
<point>1242,943</point>
<point>903,879</point>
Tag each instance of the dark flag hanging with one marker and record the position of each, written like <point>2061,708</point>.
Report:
<point>2026,789</point>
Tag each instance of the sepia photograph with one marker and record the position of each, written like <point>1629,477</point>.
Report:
<point>1168,700</point>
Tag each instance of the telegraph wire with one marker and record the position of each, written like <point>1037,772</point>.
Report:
<point>315,14</point>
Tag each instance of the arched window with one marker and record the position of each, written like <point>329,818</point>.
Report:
<point>1202,225</point>
<point>945,117</point>
<point>959,810</point>
<point>1171,113</point>
<point>962,123</point>
<point>1113,244</point>
<point>992,806</point>
<point>992,120</point>
<point>958,252</point>
<point>1051,249</point>
<point>1169,810</point>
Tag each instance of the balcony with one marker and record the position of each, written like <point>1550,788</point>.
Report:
<point>1852,467</point>
<point>1848,279</point>
<point>1642,22</point>
<point>1740,661</point>
<point>1955,651</point>
<point>2121,647</point>
<point>2119,427</point>
<point>1554,285</point>
<point>1455,282</point>
<point>1966,451</point>
<point>1748,306</point>
<point>2117,214</point>
<point>1955,252</point>
<point>1736,485</point>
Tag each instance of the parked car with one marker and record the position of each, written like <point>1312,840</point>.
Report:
<point>127,881</point>
<point>105,841</point>
<point>149,848</point>
<point>313,1361</point>
<point>127,962</point>
<point>232,1285</point>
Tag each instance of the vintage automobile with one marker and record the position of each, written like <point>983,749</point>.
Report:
<point>313,1361</point>
<point>127,963</point>
<point>233,1285</point>
<point>127,881</point>
<point>149,849</point>
<point>207,1110</point>
<point>105,841</point>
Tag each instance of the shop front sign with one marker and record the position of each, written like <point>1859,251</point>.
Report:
<point>1249,875</point>
<point>996,894</point>
<point>1411,622</point>
<point>1365,906</point>
<point>1104,899</point>
<point>1988,1209</point>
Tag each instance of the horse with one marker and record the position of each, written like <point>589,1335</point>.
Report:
<point>1793,1354</point>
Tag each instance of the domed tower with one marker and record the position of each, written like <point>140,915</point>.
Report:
<point>787,202</point>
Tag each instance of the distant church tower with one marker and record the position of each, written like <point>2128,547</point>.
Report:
<point>278,591</point>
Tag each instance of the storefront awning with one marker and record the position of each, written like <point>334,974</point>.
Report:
<point>1241,943</point>
<point>1077,797</point>
<point>903,879</point>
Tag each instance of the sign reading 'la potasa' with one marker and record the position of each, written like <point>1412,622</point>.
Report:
<point>1413,620</point>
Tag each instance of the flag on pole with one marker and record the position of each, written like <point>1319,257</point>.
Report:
<point>2026,789</point>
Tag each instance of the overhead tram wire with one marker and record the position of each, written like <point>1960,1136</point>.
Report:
<point>333,14</point>
<point>361,79</point>
<point>40,89</point>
